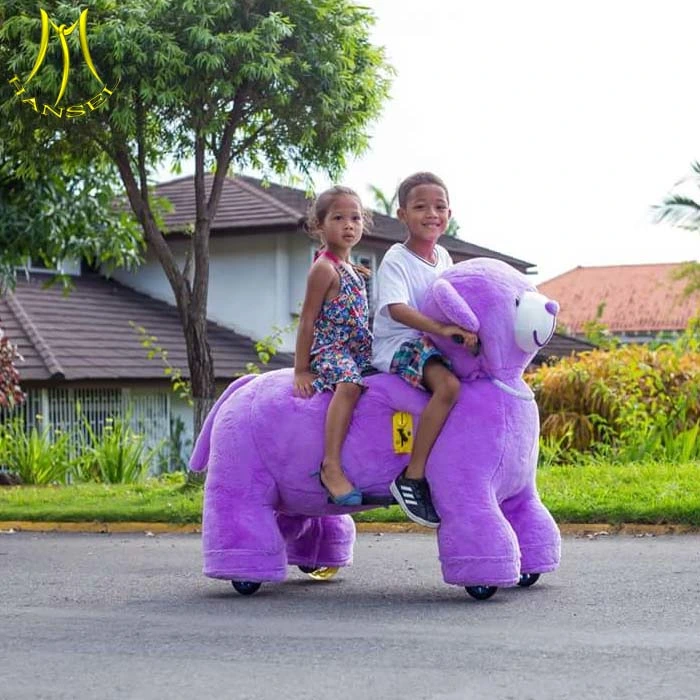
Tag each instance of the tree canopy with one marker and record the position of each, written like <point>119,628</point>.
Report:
<point>269,84</point>
<point>54,216</point>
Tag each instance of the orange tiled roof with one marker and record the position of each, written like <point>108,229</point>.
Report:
<point>637,297</point>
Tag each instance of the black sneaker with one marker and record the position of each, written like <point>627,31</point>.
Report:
<point>413,495</point>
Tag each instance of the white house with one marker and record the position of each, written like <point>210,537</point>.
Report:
<point>84,346</point>
<point>260,254</point>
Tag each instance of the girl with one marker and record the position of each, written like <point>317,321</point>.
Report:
<point>333,340</point>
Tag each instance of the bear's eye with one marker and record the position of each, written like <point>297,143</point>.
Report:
<point>517,302</point>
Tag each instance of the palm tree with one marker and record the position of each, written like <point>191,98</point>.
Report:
<point>452,228</point>
<point>683,211</point>
<point>382,203</point>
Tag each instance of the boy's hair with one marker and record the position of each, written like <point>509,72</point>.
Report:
<point>415,180</point>
<point>318,210</point>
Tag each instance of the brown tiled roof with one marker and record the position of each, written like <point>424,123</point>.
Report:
<point>638,298</point>
<point>85,334</point>
<point>248,204</point>
<point>242,205</point>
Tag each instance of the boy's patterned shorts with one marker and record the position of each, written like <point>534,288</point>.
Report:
<point>409,360</point>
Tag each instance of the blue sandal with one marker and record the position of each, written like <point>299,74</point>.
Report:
<point>351,498</point>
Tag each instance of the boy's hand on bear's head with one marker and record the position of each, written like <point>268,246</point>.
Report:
<point>461,336</point>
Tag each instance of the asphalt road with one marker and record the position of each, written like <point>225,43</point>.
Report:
<point>130,616</point>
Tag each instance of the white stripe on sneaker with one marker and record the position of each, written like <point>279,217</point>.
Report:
<point>396,492</point>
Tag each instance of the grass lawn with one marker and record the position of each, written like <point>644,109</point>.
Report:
<point>154,501</point>
<point>633,493</point>
<point>630,493</point>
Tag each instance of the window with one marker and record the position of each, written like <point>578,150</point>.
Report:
<point>27,412</point>
<point>65,266</point>
<point>38,265</point>
<point>70,409</point>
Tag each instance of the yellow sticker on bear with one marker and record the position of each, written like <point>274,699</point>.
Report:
<point>402,432</point>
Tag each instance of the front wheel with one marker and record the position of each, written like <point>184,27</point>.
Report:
<point>481,592</point>
<point>246,587</point>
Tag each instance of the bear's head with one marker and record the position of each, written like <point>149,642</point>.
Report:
<point>499,304</point>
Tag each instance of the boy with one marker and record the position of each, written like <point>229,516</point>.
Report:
<point>401,345</point>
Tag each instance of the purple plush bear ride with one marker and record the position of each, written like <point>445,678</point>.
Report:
<point>265,509</point>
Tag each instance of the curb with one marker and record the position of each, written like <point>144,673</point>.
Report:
<point>569,529</point>
<point>98,527</point>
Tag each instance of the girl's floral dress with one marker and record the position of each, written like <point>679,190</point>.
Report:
<point>342,345</point>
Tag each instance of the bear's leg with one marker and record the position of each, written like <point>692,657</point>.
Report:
<point>241,542</point>
<point>537,533</point>
<point>476,543</point>
<point>316,542</point>
<point>240,537</point>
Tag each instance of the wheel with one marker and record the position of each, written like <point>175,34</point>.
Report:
<point>527,580</point>
<point>246,587</point>
<point>481,592</point>
<point>320,573</point>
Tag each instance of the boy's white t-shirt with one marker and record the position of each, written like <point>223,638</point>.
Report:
<point>403,278</point>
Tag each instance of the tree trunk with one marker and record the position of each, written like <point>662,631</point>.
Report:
<point>191,300</point>
<point>202,379</point>
<point>201,366</point>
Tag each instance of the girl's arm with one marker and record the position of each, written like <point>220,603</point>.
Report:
<point>320,278</point>
<point>403,313</point>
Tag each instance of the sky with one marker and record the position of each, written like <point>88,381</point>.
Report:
<point>555,124</point>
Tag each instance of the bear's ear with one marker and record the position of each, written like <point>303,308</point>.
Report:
<point>454,307</point>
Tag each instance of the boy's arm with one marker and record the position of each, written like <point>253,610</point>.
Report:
<point>403,313</point>
<point>320,278</point>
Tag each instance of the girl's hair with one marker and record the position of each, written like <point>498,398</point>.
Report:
<point>419,179</point>
<point>321,205</point>
<point>319,209</point>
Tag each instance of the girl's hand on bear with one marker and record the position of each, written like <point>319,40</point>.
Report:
<point>303,384</point>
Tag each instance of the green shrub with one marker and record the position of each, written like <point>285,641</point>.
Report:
<point>38,456</point>
<point>171,458</point>
<point>625,403</point>
<point>118,456</point>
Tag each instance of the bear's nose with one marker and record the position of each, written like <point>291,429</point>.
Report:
<point>552,307</point>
